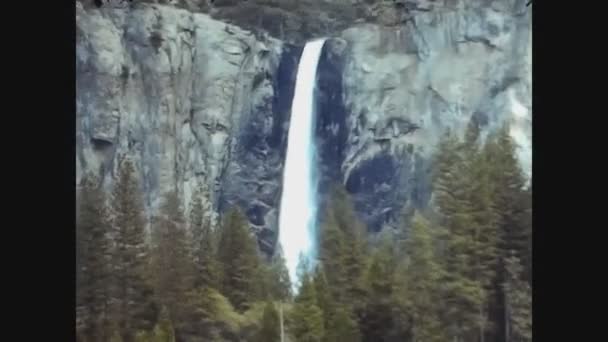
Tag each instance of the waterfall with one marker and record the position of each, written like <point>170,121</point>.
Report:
<point>298,202</point>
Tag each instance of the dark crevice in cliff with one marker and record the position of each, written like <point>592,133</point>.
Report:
<point>284,87</point>
<point>253,181</point>
<point>330,123</point>
<point>101,144</point>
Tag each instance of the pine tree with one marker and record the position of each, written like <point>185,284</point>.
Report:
<point>525,220</point>
<point>518,301</point>
<point>343,249</point>
<point>464,292</point>
<point>484,223</point>
<point>307,317</point>
<point>355,253</point>
<point>269,331</point>
<point>377,321</point>
<point>278,282</point>
<point>424,274</point>
<point>93,256</point>
<point>512,205</point>
<point>203,243</point>
<point>445,176</point>
<point>174,267</point>
<point>401,312</point>
<point>331,255</point>
<point>239,261</point>
<point>388,282</point>
<point>338,321</point>
<point>509,192</point>
<point>343,326</point>
<point>136,309</point>
<point>325,301</point>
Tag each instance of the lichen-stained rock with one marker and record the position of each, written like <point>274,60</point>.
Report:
<point>196,97</point>
<point>405,86</point>
<point>171,88</point>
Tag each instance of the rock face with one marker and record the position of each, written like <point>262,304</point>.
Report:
<point>172,90</point>
<point>253,179</point>
<point>403,87</point>
<point>193,99</point>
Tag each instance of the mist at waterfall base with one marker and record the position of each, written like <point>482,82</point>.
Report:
<point>297,231</point>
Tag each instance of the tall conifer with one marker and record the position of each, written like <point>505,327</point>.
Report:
<point>136,309</point>
<point>93,260</point>
<point>239,260</point>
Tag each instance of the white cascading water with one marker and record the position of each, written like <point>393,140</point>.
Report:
<point>298,202</point>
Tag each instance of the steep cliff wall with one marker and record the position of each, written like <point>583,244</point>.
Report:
<point>194,99</point>
<point>403,87</point>
<point>170,88</point>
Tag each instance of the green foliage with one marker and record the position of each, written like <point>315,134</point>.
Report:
<point>252,318</point>
<point>203,243</point>
<point>325,301</point>
<point>221,309</point>
<point>464,194</point>
<point>276,282</point>
<point>115,337</point>
<point>380,277</point>
<point>306,316</point>
<point>239,260</point>
<point>162,332</point>
<point>400,311</point>
<point>376,321</point>
<point>424,275</point>
<point>485,213</point>
<point>462,275</point>
<point>338,321</point>
<point>173,267</point>
<point>135,309</point>
<point>331,254</point>
<point>512,204</point>
<point>519,301</point>
<point>511,200</point>
<point>343,251</point>
<point>93,272</point>
<point>270,327</point>
<point>342,326</point>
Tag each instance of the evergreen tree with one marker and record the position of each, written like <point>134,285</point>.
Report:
<point>390,264</point>
<point>239,261</point>
<point>278,282</point>
<point>512,204</point>
<point>269,331</point>
<point>464,293</point>
<point>377,322</point>
<point>307,317</point>
<point>343,326</point>
<point>484,224</point>
<point>424,275</point>
<point>174,268</point>
<point>203,242</point>
<point>93,257</point>
<point>343,250</point>
<point>325,301</point>
<point>354,261</point>
<point>526,222</point>
<point>510,197</point>
<point>338,321</point>
<point>331,254</point>
<point>518,302</point>
<point>135,309</point>
<point>445,176</point>
<point>401,312</point>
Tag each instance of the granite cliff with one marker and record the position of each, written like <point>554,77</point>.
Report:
<point>195,92</point>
